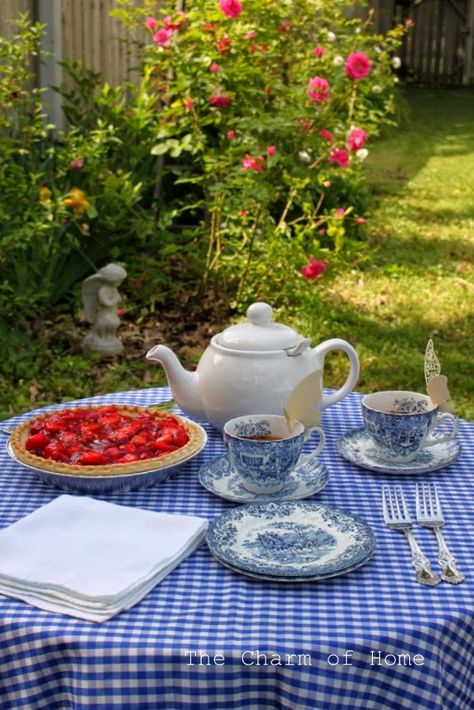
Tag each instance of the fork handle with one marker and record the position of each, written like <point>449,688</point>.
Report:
<point>447,562</point>
<point>421,563</point>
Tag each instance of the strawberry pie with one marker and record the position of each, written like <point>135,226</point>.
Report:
<point>105,440</point>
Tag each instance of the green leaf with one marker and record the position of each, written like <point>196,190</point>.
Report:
<point>159,149</point>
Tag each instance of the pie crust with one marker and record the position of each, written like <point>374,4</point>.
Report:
<point>196,441</point>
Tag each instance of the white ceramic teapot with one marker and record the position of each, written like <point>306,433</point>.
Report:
<point>250,368</point>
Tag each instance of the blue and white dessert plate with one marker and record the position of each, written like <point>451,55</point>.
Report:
<point>221,479</point>
<point>291,539</point>
<point>358,447</point>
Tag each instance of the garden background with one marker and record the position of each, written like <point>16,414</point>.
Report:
<point>255,152</point>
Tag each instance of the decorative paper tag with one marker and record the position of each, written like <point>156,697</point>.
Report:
<point>436,383</point>
<point>432,364</point>
<point>300,405</point>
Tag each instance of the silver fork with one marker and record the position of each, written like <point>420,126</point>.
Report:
<point>397,516</point>
<point>430,514</point>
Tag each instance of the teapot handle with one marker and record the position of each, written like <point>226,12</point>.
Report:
<point>321,351</point>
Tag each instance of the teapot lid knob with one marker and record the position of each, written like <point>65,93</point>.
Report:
<point>260,313</point>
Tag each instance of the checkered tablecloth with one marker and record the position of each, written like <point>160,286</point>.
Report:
<point>206,637</point>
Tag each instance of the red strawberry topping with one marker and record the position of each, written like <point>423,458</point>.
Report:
<point>104,435</point>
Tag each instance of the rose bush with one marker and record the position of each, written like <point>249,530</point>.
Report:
<point>265,112</point>
<point>237,155</point>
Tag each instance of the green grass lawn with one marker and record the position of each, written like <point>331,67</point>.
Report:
<point>419,280</point>
<point>415,280</point>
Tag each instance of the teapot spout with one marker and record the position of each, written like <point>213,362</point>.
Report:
<point>183,384</point>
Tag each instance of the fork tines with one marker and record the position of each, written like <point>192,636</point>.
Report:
<point>427,502</point>
<point>394,504</point>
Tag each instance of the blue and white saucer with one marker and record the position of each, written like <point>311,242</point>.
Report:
<point>220,478</point>
<point>279,579</point>
<point>358,447</point>
<point>290,540</point>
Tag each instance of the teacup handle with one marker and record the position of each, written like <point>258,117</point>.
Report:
<point>322,350</point>
<point>307,458</point>
<point>435,424</point>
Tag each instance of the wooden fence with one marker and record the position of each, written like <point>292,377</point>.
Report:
<point>86,32</point>
<point>78,30</point>
<point>438,49</point>
<point>9,9</point>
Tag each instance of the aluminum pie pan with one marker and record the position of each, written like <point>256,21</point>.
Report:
<point>90,485</point>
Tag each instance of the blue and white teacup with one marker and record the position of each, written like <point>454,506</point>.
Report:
<point>401,424</point>
<point>264,451</point>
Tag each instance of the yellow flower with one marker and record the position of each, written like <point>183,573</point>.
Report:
<point>76,200</point>
<point>45,196</point>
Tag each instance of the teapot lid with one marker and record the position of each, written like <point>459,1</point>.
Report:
<point>259,332</point>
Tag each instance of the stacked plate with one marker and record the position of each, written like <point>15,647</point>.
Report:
<point>292,541</point>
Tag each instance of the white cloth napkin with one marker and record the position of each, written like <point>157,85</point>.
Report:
<point>92,559</point>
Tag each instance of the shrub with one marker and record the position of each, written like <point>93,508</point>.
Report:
<point>264,114</point>
<point>67,202</point>
<point>237,156</point>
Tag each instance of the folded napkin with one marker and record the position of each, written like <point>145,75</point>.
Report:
<point>92,559</point>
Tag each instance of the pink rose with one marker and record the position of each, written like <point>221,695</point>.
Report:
<point>219,100</point>
<point>319,51</point>
<point>230,134</point>
<point>305,125</point>
<point>271,150</point>
<point>170,25</point>
<point>76,163</point>
<point>285,26</point>
<point>340,212</point>
<point>224,44</point>
<point>251,34</point>
<point>163,37</point>
<point>231,8</point>
<point>340,157</point>
<point>189,103</point>
<point>327,135</point>
<point>358,65</point>
<point>314,268</point>
<point>319,90</point>
<point>251,163</point>
<point>356,139</point>
<point>151,23</point>
<point>215,68</point>
<point>361,220</point>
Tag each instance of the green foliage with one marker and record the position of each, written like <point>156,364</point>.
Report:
<point>240,130</point>
<point>211,166</point>
<point>216,149</point>
<point>69,201</point>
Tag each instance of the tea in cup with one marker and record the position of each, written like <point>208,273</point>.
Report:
<point>401,424</point>
<point>264,451</point>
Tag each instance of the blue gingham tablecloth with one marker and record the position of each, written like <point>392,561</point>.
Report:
<point>207,637</point>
